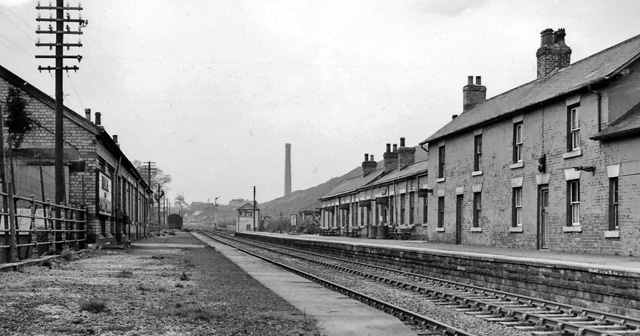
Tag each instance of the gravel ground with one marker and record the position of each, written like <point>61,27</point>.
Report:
<point>143,291</point>
<point>404,298</point>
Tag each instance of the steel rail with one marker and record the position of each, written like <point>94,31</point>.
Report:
<point>399,312</point>
<point>533,313</point>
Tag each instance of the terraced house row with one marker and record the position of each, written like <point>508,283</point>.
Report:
<point>551,164</point>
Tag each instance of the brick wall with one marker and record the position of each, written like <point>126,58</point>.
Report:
<point>544,132</point>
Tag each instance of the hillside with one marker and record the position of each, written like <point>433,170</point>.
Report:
<point>308,199</point>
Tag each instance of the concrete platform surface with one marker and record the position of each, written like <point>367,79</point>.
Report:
<point>337,314</point>
<point>608,262</point>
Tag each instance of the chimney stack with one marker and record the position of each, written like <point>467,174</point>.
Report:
<point>98,118</point>
<point>368,166</point>
<point>390,158</point>
<point>287,169</point>
<point>553,54</point>
<point>406,155</point>
<point>87,114</point>
<point>473,94</point>
<point>115,138</point>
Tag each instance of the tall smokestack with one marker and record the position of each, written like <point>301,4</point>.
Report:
<point>287,169</point>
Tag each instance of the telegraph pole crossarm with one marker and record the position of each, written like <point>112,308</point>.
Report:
<point>59,30</point>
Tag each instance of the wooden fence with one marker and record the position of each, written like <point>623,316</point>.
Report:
<point>30,228</point>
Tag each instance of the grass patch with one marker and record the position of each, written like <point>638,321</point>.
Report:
<point>46,263</point>
<point>184,277</point>
<point>93,306</point>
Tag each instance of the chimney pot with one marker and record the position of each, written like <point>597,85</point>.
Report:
<point>553,53</point>
<point>87,114</point>
<point>372,159</point>
<point>469,80</point>
<point>473,95</point>
<point>388,148</point>
<point>115,138</point>
<point>401,142</point>
<point>98,118</point>
<point>395,148</point>
<point>368,166</point>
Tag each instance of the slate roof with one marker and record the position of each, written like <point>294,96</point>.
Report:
<point>627,124</point>
<point>579,75</point>
<point>412,170</point>
<point>354,183</point>
<point>376,178</point>
<point>247,206</point>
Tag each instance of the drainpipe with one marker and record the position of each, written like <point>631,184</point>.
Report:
<point>599,108</point>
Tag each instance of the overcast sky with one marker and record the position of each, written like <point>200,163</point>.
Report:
<point>212,90</point>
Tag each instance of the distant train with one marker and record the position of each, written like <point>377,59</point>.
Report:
<point>174,221</point>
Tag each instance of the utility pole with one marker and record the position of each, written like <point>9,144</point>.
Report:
<point>254,208</point>
<point>59,32</point>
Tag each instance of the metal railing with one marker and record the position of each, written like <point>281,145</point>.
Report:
<point>29,228</point>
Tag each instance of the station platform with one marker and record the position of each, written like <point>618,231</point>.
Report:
<point>589,261</point>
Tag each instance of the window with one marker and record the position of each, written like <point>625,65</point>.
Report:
<point>477,208</point>
<point>412,207</point>
<point>573,129</point>
<point>441,162</point>
<point>517,207</point>
<point>573,203</point>
<point>403,199</point>
<point>613,203</point>
<point>425,207</point>
<point>517,142</point>
<point>441,212</point>
<point>477,153</point>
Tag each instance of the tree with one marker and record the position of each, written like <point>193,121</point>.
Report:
<point>18,122</point>
<point>158,177</point>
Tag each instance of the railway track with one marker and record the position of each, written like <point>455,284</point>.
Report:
<point>539,317</point>
<point>425,325</point>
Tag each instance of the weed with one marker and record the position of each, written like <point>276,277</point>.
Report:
<point>197,313</point>
<point>68,255</point>
<point>179,285</point>
<point>46,263</point>
<point>93,306</point>
<point>143,288</point>
<point>184,277</point>
<point>124,274</point>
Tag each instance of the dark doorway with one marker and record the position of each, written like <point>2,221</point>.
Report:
<point>543,217</point>
<point>459,219</point>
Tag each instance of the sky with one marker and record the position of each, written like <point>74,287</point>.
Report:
<point>212,90</point>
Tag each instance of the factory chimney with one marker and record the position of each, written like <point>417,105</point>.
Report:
<point>287,169</point>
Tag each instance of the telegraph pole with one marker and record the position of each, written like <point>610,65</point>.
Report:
<point>254,208</point>
<point>59,57</point>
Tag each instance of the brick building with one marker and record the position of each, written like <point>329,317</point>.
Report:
<point>381,197</point>
<point>98,175</point>
<point>552,164</point>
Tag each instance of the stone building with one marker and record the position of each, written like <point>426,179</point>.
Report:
<point>552,164</point>
<point>381,197</point>
<point>98,175</point>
